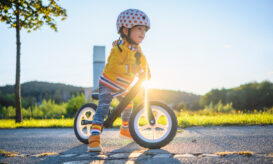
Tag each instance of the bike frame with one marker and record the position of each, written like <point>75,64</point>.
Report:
<point>123,103</point>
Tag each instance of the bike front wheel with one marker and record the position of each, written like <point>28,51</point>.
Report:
<point>157,135</point>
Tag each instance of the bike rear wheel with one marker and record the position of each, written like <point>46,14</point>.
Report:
<point>84,113</point>
<point>157,135</point>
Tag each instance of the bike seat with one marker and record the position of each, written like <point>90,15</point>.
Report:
<point>95,95</point>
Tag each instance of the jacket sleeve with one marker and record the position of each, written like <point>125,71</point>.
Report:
<point>145,67</point>
<point>115,62</point>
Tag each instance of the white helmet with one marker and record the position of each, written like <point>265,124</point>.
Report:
<point>132,17</point>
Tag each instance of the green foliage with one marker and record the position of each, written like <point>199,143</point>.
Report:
<point>74,104</point>
<point>245,97</point>
<point>173,97</point>
<point>48,109</point>
<point>32,13</point>
<point>216,101</point>
<point>270,110</point>
<point>193,106</point>
<point>180,106</point>
<point>26,113</point>
<point>9,112</point>
<point>37,113</point>
<point>34,92</point>
<point>7,100</point>
<point>219,107</point>
<point>44,90</point>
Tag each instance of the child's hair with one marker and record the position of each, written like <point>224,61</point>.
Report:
<point>130,18</point>
<point>122,35</point>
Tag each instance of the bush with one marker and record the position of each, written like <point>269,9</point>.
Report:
<point>48,109</point>
<point>219,107</point>
<point>74,104</point>
<point>10,112</point>
<point>26,113</point>
<point>180,106</point>
<point>268,110</point>
<point>37,113</point>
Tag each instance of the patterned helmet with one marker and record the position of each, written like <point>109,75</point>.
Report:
<point>132,17</point>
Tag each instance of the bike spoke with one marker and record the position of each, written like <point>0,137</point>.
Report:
<point>157,133</point>
<point>144,127</point>
<point>158,115</point>
<point>153,131</point>
<point>161,126</point>
<point>91,116</point>
<point>88,130</point>
<point>82,126</point>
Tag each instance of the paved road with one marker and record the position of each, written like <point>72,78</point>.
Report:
<point>193,145</point>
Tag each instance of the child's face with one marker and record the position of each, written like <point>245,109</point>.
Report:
<point>138,33</point>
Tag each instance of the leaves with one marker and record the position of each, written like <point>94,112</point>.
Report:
<point>32,13</point>
<point>245,97</point>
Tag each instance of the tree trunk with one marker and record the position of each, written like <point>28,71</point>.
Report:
<point>17,82</point>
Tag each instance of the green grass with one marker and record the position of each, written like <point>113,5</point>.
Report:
<point>185,119</point>
<point>44,123</point>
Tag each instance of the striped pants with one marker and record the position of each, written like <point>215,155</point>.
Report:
<point>105,99</point>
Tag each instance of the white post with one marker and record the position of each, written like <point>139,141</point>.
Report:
<point>98,64</point>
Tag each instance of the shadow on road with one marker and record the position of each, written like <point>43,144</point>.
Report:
<point>129,153</point>
<point>157,156</point>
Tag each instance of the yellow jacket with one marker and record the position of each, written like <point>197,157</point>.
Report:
<point>118,68</point>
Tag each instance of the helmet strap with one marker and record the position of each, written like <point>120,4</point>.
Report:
<point>118,45</point>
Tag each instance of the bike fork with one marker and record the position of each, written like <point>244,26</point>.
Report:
<point>150,114</point>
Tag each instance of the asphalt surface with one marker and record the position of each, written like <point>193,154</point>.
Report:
<point>193,145</point>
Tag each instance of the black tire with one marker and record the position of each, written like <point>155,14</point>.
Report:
<point>79,135</point>
<point>166,139</point>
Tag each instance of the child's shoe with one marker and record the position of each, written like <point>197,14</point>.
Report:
<point>94,144</point>
<point>125,133</point>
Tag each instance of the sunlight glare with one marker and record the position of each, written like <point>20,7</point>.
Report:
<point>146,84</point>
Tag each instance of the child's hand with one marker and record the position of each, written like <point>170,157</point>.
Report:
<point>135,68</point>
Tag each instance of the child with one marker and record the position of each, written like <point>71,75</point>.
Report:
<point>120,71</point>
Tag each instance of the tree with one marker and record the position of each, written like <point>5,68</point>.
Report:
<point>246,97</point>
<point>31,15</point>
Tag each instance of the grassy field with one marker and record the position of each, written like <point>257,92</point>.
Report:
<point>185,119</point>
<point>44,123</point>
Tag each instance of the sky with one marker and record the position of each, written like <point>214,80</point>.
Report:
<point>193,46</point>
